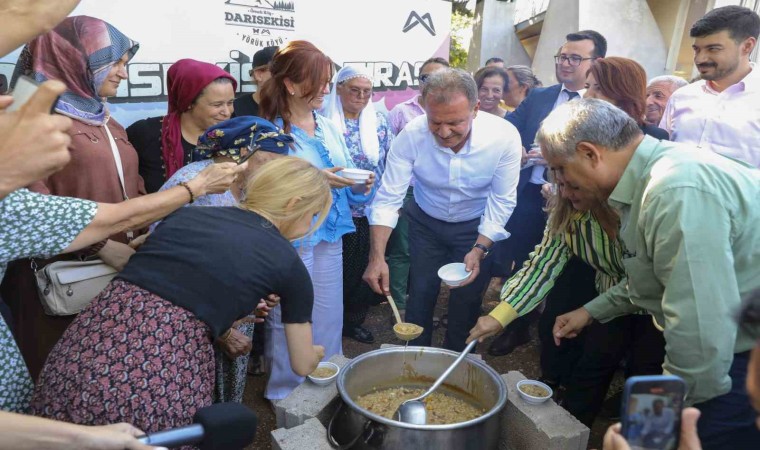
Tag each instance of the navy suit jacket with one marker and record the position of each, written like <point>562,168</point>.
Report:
<point>527,119</point>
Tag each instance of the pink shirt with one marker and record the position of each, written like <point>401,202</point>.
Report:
<point>402,113</point>
<point>725,122</point>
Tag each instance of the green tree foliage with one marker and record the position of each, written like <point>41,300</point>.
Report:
<point>461,26</point>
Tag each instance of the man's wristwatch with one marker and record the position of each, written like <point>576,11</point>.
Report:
<point>485,249</point>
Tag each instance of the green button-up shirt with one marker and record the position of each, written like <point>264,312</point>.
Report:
<point>690,224</point>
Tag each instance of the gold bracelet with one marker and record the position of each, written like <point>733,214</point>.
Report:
<point>189,191</point>
<point>226,335</point>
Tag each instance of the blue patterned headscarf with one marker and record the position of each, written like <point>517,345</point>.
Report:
<point>229,137</point>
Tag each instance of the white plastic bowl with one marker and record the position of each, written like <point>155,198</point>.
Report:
<point>358,175</point>
<point>328,380</point>
<point>453,274</point>
<point>532,399</point>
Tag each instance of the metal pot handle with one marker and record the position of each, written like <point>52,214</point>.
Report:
<point>334,443</point>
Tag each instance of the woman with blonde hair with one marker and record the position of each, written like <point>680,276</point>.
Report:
<point>142,351</point>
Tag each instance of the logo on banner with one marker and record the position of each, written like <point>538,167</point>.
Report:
<point>414,19</point>
<point>260,23</point>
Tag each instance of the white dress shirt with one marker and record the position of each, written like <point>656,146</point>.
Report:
<point>725,122</point>
<point>478,181</point>
<point>537,175</point>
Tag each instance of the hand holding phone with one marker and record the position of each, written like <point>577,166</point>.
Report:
<point>33,143</point>
<point>651,412</point>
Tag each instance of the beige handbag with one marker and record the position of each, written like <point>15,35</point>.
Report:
<point>67,287</point>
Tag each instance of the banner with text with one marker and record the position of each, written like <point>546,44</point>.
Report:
<point>390,37</point>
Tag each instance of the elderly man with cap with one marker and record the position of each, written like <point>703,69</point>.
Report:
<point>368,138</point>
<point>248,104</point>
<point>232,141</point>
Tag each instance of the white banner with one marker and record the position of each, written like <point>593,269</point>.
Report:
<point>390,37</point>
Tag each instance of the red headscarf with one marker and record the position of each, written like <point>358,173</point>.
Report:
<point>186,79</point>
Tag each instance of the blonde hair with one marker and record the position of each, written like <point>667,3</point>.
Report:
<point>272,188</point>
<point>562,215</point>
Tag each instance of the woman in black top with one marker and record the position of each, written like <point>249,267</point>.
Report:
<point>142,351</point>
<point>200,96</point>
<point>622,82</point>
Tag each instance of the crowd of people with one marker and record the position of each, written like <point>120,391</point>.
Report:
<point>620,213</point>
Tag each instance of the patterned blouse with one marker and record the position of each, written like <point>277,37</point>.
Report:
<point>189,172</point>
<point>32,224</point>
<point>353,142</point>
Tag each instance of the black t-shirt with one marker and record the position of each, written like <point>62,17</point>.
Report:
<point>217,262</point>
<point>245,106</point>
<point>145,135</point>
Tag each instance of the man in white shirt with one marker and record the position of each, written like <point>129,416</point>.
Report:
<point>721,112</point>
<point>466,166</point>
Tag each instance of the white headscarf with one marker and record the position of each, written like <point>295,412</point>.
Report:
<point>367,117</point>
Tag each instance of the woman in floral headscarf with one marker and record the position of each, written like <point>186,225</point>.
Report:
<point>232,140</point>
<point>200,95</point>
<point>368,138</point>
<point>90,57</point>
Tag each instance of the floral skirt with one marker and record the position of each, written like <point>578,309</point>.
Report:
<point>130,356</point>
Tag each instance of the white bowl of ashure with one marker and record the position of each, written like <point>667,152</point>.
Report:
<point>453,274</point>
<point>324,374</point>
<point>358,176</point>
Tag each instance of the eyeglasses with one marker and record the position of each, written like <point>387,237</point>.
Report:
<point>424,77</point>
<point>573,60</point>
<point>360,93</point>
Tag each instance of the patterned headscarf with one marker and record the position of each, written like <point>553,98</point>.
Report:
<point>185,80</point>
<point>229,137</point>
<point>367,118</point>
<point>80,52</point>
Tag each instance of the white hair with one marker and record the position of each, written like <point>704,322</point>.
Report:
<point>678,82</point>
<point>587,120</point>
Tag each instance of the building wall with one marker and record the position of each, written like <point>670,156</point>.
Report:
<point>493,35</point>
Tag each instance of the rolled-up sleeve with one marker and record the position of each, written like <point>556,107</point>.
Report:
<point>396,178</point>
<point>503,196</point>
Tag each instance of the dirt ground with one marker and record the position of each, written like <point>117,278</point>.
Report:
<point>525,359</point>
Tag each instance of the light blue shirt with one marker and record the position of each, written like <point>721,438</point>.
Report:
<point>328,149</point>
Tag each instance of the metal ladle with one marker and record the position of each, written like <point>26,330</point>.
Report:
<point>413,410</point>
<point>404,336</point>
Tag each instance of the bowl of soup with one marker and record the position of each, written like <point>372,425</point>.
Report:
<point>533,391</point>
<point>324,374</point>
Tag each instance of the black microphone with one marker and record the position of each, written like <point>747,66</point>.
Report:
<point>223,426</point>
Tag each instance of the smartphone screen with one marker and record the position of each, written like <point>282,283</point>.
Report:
<point>651,412</point>
<point>22,92</point>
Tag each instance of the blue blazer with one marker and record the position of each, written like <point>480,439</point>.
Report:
<point>527,119</point>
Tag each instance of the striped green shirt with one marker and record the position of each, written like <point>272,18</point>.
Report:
<point>586,239</point>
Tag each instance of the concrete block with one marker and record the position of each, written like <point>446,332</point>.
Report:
<point>545,426</point>
<point>310,435</point>
<point>308,401</point>
<point>471,355</point>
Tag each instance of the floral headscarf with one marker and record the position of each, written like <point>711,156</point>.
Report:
<point>229,137</point>
<point>80,52</point>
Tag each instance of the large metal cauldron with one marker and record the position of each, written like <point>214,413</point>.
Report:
<point>356,428</point>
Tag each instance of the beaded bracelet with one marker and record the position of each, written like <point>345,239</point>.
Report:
<point>189,191</point>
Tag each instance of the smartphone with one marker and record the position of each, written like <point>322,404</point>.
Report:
<point>651,411</point>
<point>23,90</point>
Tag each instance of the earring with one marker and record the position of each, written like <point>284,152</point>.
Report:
<point>292,93</point>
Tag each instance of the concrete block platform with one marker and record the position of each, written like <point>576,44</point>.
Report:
<point>310,435</point>
<point>543,426</point>
<point>308,401</point>
<point>302,417</point>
